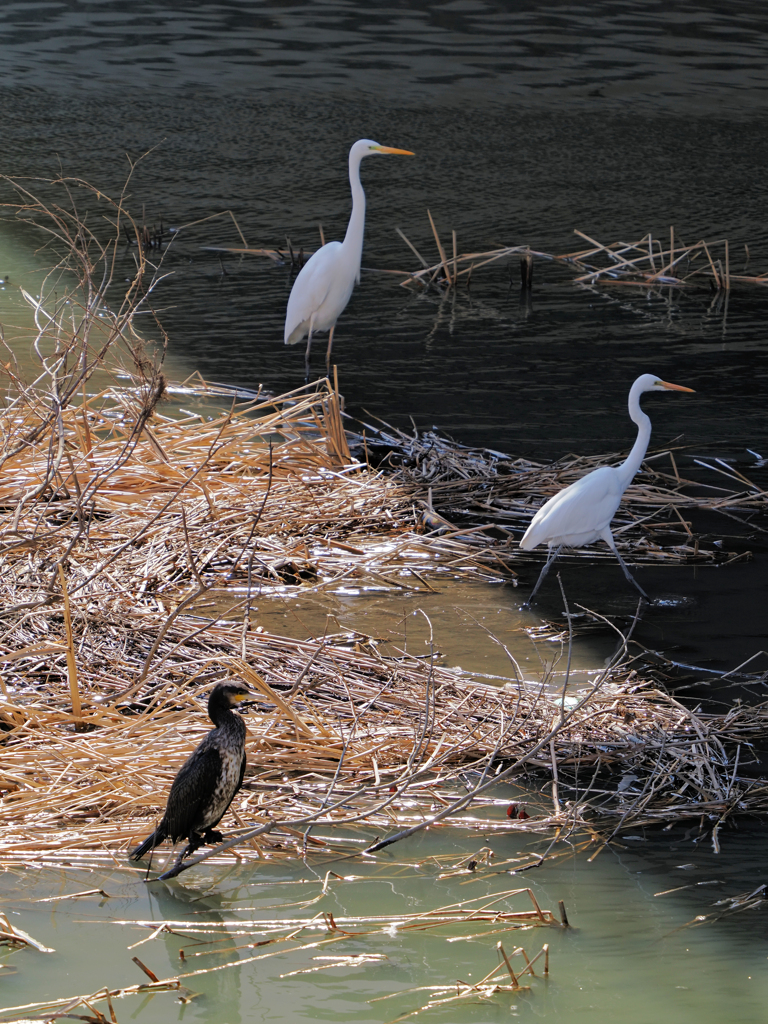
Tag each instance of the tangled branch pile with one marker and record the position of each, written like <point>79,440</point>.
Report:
<point>460,485</point>
<point>117,518</point>
<point>344,737</point>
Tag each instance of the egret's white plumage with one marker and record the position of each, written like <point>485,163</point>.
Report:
<point>324,285</point>
<point>582,512</point>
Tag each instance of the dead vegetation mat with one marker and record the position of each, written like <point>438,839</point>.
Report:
<point>343,737</point>
<point>459,485</point>
<point>119,514</point>
<point>105,665</point>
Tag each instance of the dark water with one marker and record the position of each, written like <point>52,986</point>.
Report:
<point>529,121</point>
<point>484,367</point>
<point>239,127</point>
<point>694,54</point>
<point>259,122</point>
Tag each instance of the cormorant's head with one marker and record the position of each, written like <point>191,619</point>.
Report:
<point>227,695</point>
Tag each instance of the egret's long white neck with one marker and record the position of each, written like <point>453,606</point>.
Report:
<point>353,240</point>
<point>632,463</point>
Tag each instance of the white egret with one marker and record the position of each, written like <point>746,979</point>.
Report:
<point>324,285</point>
<point>582,512</point>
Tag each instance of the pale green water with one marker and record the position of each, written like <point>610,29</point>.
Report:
<point>24,268</point>
<point>628,956</point>
<point>464,624</point>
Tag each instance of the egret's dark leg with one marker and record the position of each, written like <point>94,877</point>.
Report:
<point>328,353</point>
<point>612,545</point>
<point>553,553</point>
<point>306,357</point>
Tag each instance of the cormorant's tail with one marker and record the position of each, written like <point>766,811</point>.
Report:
<point>149,844</point>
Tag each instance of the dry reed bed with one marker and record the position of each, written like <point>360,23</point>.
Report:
<point>267,494</point>
<point>346,738</point>
<point>116,519</point>
<point>454,482</point>
<point>141,509</point>
<point>649,262</point>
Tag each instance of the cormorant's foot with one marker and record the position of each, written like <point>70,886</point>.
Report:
<point>196,840</point>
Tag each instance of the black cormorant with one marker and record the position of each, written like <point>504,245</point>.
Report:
<point>208,779</point>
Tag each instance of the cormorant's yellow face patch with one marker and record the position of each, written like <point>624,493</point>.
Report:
<point>240,696</point>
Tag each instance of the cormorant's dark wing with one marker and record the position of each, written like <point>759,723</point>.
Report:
<point>192,791</point>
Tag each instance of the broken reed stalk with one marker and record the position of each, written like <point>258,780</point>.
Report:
<point>513,976</point>
<point>639,269</point>
<point>339,449</point>
<point>526,271</point>
<point>441,251</point>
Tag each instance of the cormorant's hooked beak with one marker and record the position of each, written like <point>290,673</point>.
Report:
<point>392,151</point>
<point>675,387</point>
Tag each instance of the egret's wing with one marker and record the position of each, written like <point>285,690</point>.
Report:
<point>579,513</point>
<point>310,290</point>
